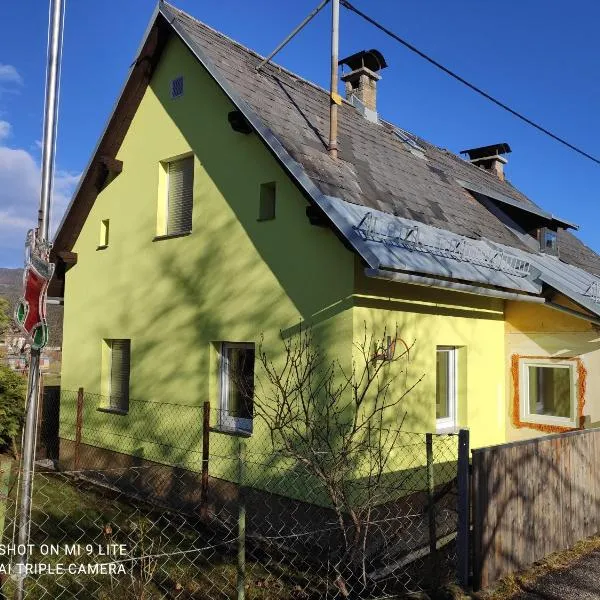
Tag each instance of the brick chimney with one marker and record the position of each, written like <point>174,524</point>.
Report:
<point>490,158</point>
<point>361,81</point>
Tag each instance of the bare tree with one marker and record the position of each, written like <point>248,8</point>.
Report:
<point>340,424</point>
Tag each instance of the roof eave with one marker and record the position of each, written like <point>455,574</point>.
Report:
<point>294,169</point>
<point>504,199</point>
<point>579,299</point>
<point>94,155</point>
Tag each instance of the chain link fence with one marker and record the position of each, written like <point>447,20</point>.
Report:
<point>144,502</point>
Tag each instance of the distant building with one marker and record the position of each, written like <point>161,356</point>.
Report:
<point>14,351</point>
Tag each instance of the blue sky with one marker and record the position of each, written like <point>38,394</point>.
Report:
<point>542,58</point>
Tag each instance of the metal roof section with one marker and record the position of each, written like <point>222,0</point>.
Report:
<point>571,281</point>
<point>405,245</point>
<point>410,141</point>
<point>402,245</point>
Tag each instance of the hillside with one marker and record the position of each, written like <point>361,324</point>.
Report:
<point>11,284</point>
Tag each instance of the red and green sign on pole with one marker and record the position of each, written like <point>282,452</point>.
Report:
<point>30,313</point>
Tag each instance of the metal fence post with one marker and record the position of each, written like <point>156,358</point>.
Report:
<point>431,512</point>
<point>205,455</point>
<point>78,427</point>
<point>464,509</point>
<point>241,554</point>
<point>40,420</point>
<point>430,494</point>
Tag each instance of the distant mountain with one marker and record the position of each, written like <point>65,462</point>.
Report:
<point>10,276</point>
<point>11,288</point>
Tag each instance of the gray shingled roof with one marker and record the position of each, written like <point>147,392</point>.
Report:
<point>375,168</point>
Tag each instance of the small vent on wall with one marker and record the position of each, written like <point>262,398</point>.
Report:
<point>177,87</point>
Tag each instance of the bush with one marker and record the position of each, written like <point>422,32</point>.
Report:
<point>13,388</point>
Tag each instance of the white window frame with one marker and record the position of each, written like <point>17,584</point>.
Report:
<point>227,421</point>
<point>525,414</point>
<point>449,423</point>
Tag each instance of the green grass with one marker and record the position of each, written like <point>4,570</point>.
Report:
<point>68,511</point>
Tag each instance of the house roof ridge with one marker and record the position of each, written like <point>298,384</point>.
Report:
<point>270,65</point>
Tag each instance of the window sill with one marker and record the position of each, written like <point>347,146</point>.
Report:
<point>563,424</point>
<point>264,219</point>
<point>169,236</point>
<point>103,247</point>
<point>231,431</point>
<point>114,411</point>
<point>447,428</point>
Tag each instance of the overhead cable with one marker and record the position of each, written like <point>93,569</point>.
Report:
<point>470,85</point>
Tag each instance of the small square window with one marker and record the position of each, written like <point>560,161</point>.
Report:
<point>177,87</point>
<point>548,392</point>
<point>119,359</point>
<point>237,386</point>
<point>104,233</point>
<point>446,387</point>
<point>268,194</point>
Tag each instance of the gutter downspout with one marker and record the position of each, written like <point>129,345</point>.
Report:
<point>451,285</point>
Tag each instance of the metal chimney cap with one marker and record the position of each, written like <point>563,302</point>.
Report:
<point>371,59</point>
<point>487,151</point>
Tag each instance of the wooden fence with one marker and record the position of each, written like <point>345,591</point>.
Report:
<point>532,498</point>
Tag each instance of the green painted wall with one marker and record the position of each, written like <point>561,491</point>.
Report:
<point>234,278</point>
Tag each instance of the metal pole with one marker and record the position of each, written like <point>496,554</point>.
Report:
<point>334,98</point>
<point>205,458</point>
<point>50,115</point>
<point>241,554</point>
<point>431,509</point>
<point>27,469</point>
<point>289,37</point>
<point>78,428</point>
<point>464,509</point>
<point>48,154</point>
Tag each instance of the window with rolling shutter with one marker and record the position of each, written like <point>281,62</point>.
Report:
<point>180,196</point>
<point>120,351</point>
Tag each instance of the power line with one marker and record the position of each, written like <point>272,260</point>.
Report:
<point>470,85</point>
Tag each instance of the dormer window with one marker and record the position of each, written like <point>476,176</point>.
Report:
<point>548,241</point>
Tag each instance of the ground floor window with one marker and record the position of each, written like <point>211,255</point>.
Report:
<point>118,377</point>
<point>446,387</point>
<point>237,386</point>
<point>548,392</point>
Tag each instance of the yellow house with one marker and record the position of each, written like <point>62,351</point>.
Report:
<point>211,213</point>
